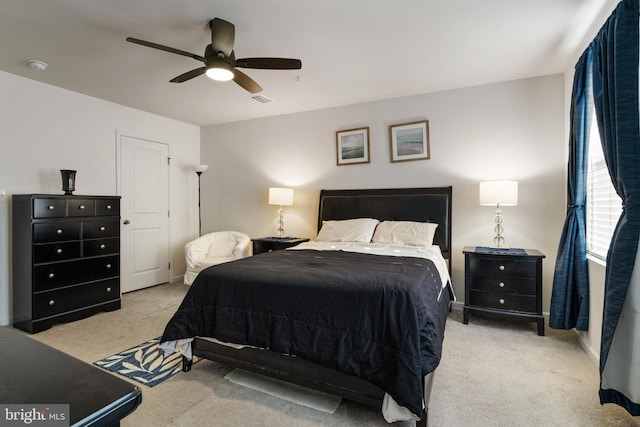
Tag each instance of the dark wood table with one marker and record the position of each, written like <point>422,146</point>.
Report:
<point>33,373</point>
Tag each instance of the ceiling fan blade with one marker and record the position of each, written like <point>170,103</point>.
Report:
<point>246,82</point>
<point>189,75</point>
<point>223,35</point>
<point>270,63</point>
<point>165,48</point>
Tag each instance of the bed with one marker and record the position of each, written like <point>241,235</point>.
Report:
<point>375,338</point>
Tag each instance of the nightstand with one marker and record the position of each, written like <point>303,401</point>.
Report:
<point>506,282</point>
<point>268,244</point>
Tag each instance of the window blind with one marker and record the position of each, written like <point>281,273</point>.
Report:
<point>603,204</point>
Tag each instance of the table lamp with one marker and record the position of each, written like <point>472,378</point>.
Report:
<point>281,197</point>
<point>499,193</point>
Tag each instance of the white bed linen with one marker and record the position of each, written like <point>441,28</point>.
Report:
<point>391,411</point>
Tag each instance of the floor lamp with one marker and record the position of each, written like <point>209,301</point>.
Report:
<point>199,169</point>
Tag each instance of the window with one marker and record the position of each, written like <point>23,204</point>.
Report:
<point>604,206</point>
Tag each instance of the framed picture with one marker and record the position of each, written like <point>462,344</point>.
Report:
<point>352,146</point>
<point>409,141</point>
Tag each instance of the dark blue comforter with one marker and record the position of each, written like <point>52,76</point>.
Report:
<point>381,318</point>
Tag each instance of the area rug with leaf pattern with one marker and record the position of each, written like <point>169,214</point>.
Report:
<point>145,363</point>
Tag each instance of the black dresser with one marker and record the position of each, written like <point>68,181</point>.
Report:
<point>66,258</point>
<point>507,283</point>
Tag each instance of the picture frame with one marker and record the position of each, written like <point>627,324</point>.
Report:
<point>352,146</point>
<point>409,141</point>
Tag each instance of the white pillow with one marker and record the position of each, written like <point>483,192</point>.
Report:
<point>405,233</point>
<point>348,230</point>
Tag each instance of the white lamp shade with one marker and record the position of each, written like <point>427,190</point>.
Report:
<point>200,168</point>
<point>281,196</point>
<point>503,193</point>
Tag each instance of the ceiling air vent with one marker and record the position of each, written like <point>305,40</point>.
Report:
<point>262,99</point>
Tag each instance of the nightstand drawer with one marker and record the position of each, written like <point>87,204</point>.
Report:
<point>513,267</point>
<point>506,285</point>
<point>503,301</point>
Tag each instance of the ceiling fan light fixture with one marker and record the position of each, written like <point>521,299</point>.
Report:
<point>222,72</point>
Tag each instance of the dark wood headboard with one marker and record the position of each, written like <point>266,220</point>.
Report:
<point>396,204</point>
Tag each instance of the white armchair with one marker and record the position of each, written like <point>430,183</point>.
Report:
<point>214,248</point>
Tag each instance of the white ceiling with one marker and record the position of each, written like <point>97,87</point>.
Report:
<point>352,51</point>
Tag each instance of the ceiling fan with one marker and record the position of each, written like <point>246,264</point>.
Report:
<point>220,61</point>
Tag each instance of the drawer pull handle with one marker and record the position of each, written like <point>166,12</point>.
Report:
<point>501,301</point>
<point>59,231</point>
<point>52,276</point>
<point>501,284</point>
<point>51,207</point>
<point>52,302</point>
<point>109,289</point>
<point>58,251</point>
<point>108,266</point>
<point>102,246</point>
<point>81,207</point>
<point>102,228</point>
<point>108,207</point>
<point>501,268</point>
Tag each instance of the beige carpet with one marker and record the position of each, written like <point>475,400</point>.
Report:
<point>493,373</point>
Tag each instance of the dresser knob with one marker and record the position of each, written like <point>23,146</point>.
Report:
<point>52,276</point>
<point>501,284</point>
<point>102,228</point>
<point>81,207</point>
<point>501,268</point>
<point>51,207</point>
<point>59,231</point>
<point>108,266</point>
<point>51,302</point>
<point>501,301</point>
<point>58,251</point>
<point>102,246</point>
<point>109,289</point>
<point>108,207</point>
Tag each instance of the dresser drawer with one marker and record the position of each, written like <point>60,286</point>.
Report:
<point>56,275</point>
<point>507,285</point>
<point>50,252</point>
<point>56,232</point>
<point>49,208</point>
<point>101,228</point>
<point>509,302</point>
<point>81,207</point>
<point>512,267</point>
<point>97,247</point>
<point>107,207</point>
<point>72,298</point>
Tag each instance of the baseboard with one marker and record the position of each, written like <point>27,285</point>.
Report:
<point>595,357</point>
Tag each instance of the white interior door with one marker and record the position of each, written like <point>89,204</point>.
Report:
<point>144,186</point>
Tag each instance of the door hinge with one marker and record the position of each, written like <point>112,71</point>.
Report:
<point>168,160</point>
<point>169,266</point>
<point>168,214</point>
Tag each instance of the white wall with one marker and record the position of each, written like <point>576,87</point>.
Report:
<point>44,129</point>
<point>511,130</point>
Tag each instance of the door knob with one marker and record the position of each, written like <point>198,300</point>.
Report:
<point>126,222</point>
